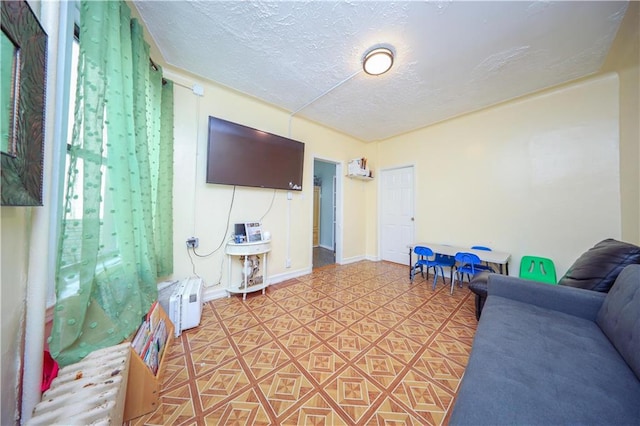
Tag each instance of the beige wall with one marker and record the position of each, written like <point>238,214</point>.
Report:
<point>588,189</point>
<point>14,286</point>
<point>624,59</point>
<point>26,259</point>
<point>551,123</point>
<point>538,176</point>
<point>201,209</point>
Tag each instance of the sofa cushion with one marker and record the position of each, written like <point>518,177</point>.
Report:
<point>619,317</point>
<point>531,365</point>
<point>599,267</point>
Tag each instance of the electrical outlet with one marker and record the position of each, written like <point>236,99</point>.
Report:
<point>287,263</point>
<point>192,242</point>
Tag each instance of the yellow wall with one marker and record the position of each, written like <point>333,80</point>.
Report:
<point>14,286</point>
<point>26,259</point>
<point>537,176</point>
<point>518,134</point>
<point>201,209</point>
<point>565,161</point>
<point>624,59</point>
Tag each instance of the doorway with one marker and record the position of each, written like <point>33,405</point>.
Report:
<point>325,212</point>
<point>397,222</point>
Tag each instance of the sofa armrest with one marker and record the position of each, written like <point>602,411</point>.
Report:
<point>573,301</point>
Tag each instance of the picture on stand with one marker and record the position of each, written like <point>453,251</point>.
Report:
<point>254,231</point>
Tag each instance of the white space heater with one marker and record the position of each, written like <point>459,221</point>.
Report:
<point>185,304</point>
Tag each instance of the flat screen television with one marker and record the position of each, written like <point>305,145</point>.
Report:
<point>241,155</point>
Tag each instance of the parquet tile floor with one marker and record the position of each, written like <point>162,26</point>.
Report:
<point>350,344</point>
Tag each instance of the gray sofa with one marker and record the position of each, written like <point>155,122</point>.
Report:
<point>556,355</point>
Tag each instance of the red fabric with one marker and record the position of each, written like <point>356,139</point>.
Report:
<point>49,371</point>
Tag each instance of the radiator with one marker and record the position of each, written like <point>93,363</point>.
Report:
<point>185,305</point>
<point>89,392</point>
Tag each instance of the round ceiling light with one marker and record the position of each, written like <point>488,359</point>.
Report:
<point>378,61</point>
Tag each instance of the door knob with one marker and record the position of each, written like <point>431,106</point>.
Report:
<point>412,219</point>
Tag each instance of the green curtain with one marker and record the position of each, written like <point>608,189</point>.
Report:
<point>116,238</point>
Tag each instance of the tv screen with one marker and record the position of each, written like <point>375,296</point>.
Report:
<point>241,155</point>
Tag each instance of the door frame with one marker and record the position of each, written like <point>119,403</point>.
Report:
<point>338,232</point>
<point>413,207</point>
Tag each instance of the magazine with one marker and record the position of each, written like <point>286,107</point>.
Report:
<point>254,231</point>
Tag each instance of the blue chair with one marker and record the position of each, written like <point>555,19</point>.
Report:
<point>446,261</point>
<point>467,264</point>
<point>424,254</point>
<point>486,266</point>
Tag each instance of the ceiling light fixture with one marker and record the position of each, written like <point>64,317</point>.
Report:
<point>378,61</point>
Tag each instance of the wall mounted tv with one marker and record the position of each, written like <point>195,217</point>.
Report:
<point>240,155</point>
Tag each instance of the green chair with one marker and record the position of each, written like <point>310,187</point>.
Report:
<point>538,269</point>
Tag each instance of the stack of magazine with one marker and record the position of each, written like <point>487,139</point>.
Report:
<point>151,337</point>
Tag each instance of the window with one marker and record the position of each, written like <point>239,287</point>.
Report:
<point>71,257</point>
<point>115,219</point>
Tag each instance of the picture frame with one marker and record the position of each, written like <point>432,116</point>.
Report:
<point>23,105</point>
<point>254,231</point>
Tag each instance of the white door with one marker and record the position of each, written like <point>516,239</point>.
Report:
<point>396,214</point>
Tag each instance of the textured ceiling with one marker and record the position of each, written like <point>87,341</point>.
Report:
<point>451,57</point>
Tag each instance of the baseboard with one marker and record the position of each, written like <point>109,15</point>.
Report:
<point>215,292</point>
<point>220,291</point>
<point>359,258</point>
<point>326,247</point>
<point>278,278</point>
<point>348,260</point>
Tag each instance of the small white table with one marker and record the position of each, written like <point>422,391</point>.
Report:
<point>497,257</point>
<point>246,250</point>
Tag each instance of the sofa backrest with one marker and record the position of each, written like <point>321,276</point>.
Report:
<point>598,268</point>
<point>619,316</point>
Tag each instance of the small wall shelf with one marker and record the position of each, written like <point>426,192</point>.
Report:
<point>357,169</point>
<point>360,177</point>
